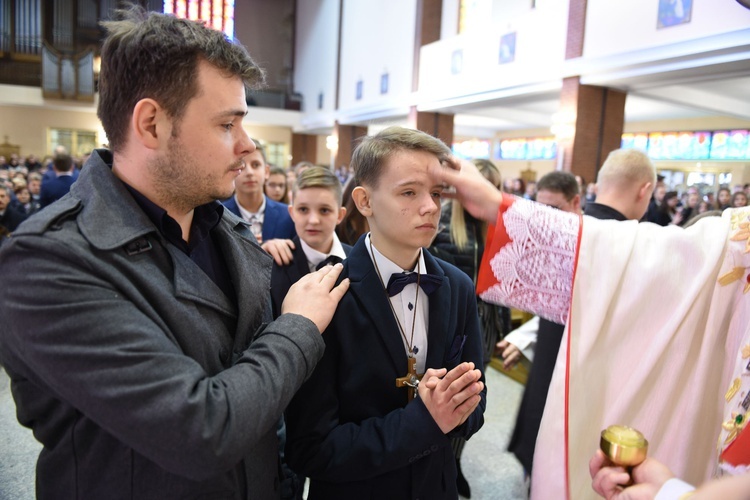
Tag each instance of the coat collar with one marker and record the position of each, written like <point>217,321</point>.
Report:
<point>110,217</point>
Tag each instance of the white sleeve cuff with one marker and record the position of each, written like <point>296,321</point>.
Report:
<point>525,337</point>
<point>673,489</point>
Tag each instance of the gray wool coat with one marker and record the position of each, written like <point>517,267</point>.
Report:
<point>137,374</point>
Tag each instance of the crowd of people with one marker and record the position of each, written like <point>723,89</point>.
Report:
<point>164,344</point>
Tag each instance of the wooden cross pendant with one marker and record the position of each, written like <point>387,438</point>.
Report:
<point>411,379</point>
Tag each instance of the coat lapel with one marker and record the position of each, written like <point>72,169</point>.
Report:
<point>368,291</point>
<point>251,277</point>
<point>439,316</point>
<point>191,283</point>
<point>299,265</point>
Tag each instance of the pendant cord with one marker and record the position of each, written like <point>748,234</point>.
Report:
<point>409,343</point>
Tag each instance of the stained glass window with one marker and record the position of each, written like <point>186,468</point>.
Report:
<point>217,14</point>
<point>532,148</point>
<point>700,145</point>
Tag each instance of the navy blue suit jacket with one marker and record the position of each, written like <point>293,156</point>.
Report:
<point>283,277</point>
<point>54,189</point>
<point>276,220</point>
<point>349,428</point>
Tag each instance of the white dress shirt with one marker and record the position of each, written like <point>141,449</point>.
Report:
<point>403,304</point>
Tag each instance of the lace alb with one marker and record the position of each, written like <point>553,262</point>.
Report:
<point>534,272</point>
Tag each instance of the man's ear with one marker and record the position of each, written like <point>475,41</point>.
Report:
<point>148,123</point>
<point>646,191</point>
<point>342,213</point>
<point>576,202</point>
<point>361,197</point>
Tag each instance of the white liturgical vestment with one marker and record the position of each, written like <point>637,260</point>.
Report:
<point>656,335</point>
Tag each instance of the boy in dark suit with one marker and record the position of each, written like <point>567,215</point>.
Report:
<point>316,211</point>
<point>355,427</point>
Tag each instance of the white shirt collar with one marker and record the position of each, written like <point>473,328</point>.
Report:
<point>386,266</point>
<point>246,214</point>
<point>314,257</point>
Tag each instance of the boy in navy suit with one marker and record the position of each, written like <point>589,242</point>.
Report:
<point>316,211</point>
<point>269,220</point>
<point>355,427</point>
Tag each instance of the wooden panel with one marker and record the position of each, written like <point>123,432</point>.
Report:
<point>304,148</point>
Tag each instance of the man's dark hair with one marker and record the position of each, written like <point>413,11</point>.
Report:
<point>63,163</point>
<point>152,55</point>
<point>559,182</point>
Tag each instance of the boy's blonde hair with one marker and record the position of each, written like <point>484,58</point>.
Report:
<point>373,152</point>
<point>318,177</point>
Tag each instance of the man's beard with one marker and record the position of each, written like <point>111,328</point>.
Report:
<point>181,183</point>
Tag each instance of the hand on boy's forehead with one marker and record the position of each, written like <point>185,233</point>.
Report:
<point>440,172</point>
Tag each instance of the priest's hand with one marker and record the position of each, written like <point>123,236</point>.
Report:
<point>609,480</point>
<point>280,250</point>
<point>315,297</point>
<point>451,398</point>
<point>477,195</point>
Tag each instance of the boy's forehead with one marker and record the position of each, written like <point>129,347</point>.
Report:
<point>412,155</point>
<point>315,195</point>
<point>407,161</point>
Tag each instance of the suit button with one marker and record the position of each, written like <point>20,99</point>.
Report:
<point>434,447</point>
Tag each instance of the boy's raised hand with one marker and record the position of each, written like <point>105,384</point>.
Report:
<point>451,397</point>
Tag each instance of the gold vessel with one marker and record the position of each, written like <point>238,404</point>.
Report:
<point>624,445</point>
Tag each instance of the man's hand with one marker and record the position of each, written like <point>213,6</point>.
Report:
<point>315,297</point>
<point>510,353</point>
<point>608,479</point>
<point>280,250</point>
<point>477,195</point>
<point>452,398</point>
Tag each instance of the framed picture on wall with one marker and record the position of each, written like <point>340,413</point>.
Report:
<point>507,48</point>
<point>457,62</point>
<point>674,12</point>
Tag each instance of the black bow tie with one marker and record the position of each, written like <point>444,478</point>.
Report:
<point>331,259</point>
<point>428,282</point>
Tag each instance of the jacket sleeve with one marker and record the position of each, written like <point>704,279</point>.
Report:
<point>529,259</point>
<point>472,351</point>
<point>105,353</point>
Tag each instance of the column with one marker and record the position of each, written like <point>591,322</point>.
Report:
<point>594,119</point>
<point>429,16</point>
<point>304,148</point>
<point>347,136</point>
<point>591,119</point>
<point>436,124</point>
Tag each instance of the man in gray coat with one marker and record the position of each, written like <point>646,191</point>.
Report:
<point>136,319</point>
